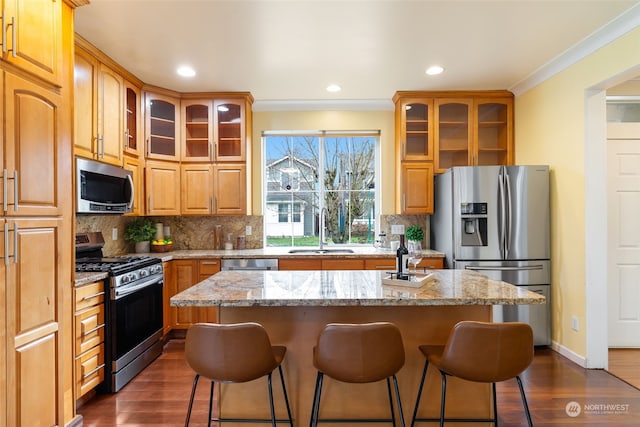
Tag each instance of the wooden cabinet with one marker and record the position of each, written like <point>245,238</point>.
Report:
<point>162,126</point>
<point>229,131</point>
<point>32,33</point>
<point>89,336</point>
<point>436,263</point>
<point>99,110</point>
<point>197,130</point>
<point>476,130</point>
<point>132,119</point>
<point>184,274</point>
<point>162,187</point>
<point>416,182</point>
<point>196,181</point>
<point>383,264</point>
<point>439,130</point>
<point>168,290</point>
<point>134,165</point>
<point>300,264</point>
<point>230,189</point>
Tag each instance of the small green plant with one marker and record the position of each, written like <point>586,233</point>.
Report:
<point>414,232</point>
<point>139,230</point>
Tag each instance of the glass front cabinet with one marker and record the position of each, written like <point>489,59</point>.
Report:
<point>162,127</point>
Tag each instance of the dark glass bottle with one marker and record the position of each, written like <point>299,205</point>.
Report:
<point>402,254</point>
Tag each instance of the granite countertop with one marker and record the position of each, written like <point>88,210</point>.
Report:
<point>348,288</point>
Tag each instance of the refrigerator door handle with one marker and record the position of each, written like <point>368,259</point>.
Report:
<point>479,268</point>
<point>503,214</point>
<point>507,238</point>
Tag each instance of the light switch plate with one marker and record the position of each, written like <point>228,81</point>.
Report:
<point>114,233</point>
<point>397,229</point>
<point>247,230</point>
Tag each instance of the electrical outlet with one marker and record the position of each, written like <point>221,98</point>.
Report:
<point>247,230</point>
<point>397,229</point>
<point>114,234</point>
<point>575,324</point>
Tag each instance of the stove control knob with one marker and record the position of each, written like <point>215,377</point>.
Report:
<point>124,279</point>
<point>144,273</point>
<point>156,269</point>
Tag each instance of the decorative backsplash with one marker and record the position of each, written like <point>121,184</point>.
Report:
<point>196,232</point>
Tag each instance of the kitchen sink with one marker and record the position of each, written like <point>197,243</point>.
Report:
<point>320,251</point>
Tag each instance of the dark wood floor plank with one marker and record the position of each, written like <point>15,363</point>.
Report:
<point>159,395</point>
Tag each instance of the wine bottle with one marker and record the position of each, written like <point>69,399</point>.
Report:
<point>402,255</point>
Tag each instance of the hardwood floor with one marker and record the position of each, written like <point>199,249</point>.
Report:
<point>159,395</point>
<point>624,363</point>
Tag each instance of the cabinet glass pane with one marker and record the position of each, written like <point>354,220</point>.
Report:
<point>453,140</point>
<point>417,129</point>
<point>132,119</point>
<point>229,120</point>
<point>163,128</point>
<point>492,134</point>
<point>197,131</point>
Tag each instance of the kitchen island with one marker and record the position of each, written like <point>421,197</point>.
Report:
<point>295,305</point>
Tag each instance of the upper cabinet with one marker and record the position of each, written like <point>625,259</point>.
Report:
<point>197,130</point>
<point>132,119</point>
<point>32,37</point>
<point>439,130</point>
<point>99,105</point>
<point>229,130</point>
<point>162,130</point>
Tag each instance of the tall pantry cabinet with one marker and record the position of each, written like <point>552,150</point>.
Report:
<point>36,215</point>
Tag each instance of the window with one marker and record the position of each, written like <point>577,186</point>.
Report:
<point>325,176</point>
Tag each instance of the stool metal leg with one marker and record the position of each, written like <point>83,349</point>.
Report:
<point>315,410</point>
<point>395,383</point>
<point>286,397</point>
<point>393,415</point>
<point>495,404</point>
<point>273,412</point>
<point>415,409</point>
<point>210,403</point>
<point>524,401</point>
<point>443,397</point>
<point>193,392</point>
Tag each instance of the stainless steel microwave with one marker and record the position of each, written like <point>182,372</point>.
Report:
<point>102,188</point>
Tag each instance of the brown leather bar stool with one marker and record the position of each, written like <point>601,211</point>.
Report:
<point>480,352</point>
<point>234,353</point>
<point>358,353</point>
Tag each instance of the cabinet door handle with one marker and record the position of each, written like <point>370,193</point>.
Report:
<point>88,297</point>
<point>6,244</point>
<point>15,190</point>
<point>92,330</point>
<point>93,371</point>
<point>15,243</point>
<point>5,190</point>
<point>404,202</point>
<point>13,37</point>
<point>4,35</point>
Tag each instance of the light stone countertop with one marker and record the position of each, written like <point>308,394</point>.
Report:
<point>348,288</point>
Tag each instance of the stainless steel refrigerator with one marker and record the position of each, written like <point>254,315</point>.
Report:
<point>495,220</point>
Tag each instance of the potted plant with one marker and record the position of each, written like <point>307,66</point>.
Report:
<point>414,233</point>
<point>140,231</point>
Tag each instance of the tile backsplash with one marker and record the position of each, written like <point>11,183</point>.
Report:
<point>196,232</point>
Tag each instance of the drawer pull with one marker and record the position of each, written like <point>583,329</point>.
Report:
<point>92,330</point>
<point>92,296</point>
<point>385,267</point>
<point>209,262</point>
<point>93,371</point>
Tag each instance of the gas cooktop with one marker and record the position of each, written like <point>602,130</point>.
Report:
<point>114,265</point>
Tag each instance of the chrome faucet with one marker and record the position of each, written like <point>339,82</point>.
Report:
<point>324,213</point>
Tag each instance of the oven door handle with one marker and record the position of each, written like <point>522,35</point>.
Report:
<point>126,290</point>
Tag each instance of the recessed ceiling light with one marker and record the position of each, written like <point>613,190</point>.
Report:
<point>333,88</point>
<point>434,70</point>
<point>186,71</point>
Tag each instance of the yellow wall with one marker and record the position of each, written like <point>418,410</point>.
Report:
<point>328,120</point>
<point>550,123</point>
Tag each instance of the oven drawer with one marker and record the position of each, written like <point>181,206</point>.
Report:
<point>89,370</point>
<point>88,295</point>
<point>89,328</point>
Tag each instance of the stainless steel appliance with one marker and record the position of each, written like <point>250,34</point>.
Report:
<point>495,220</point>
<point>133,311</point>
<point>102,188</point>
<point>249,264</point>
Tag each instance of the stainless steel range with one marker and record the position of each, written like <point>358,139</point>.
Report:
<point>133,312</point>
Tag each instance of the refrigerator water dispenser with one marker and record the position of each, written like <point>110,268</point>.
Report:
<point>473,224</point>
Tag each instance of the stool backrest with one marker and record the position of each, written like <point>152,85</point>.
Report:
<point>488,352</point>
<point>359,353</point>
<point>229,352</point>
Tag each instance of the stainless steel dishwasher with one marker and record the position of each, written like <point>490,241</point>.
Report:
<point>249,264</point>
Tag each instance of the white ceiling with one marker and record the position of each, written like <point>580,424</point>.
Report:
<point>287,52</point>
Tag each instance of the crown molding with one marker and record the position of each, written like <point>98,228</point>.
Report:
<point>324,105</point>
<point>609,32</point>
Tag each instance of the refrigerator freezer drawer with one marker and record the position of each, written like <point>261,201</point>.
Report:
<point>538,316</point>
<point>519,273</point>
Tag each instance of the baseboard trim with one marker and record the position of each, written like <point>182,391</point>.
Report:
<point>75,422</point>
<point>569,354</point>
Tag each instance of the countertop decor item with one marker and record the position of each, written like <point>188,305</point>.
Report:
<point>414,233</point>
<point>140,231</point>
